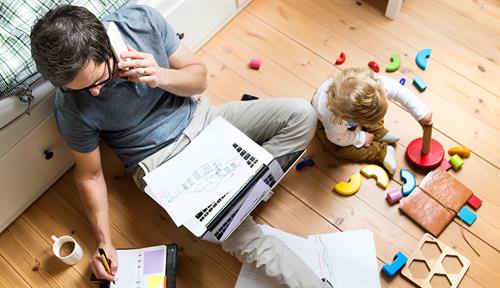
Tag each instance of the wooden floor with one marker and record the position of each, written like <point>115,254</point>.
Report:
<point>299,42</point>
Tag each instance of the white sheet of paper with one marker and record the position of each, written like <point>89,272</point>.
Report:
<point>205,170</point>
<point>249,277</point>
<point>348,259</point>
<point>301,246</point>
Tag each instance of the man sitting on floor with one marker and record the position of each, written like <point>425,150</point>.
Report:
<point>143,109</point>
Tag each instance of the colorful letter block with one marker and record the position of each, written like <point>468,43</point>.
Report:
<point>467,215</point>
<point>397,264</point>
<point>410,182</point>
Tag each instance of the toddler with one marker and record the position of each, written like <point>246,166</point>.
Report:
<point>351,107</point>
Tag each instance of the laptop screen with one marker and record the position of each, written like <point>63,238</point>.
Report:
<point>287,160</point>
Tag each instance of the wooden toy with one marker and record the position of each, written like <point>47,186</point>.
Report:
<point>402,81</point>
<point>374,66</point>
<point>425,152</point>
<point>456,162</point>
<point>350,187</point>
<point>445,165</point>
<point>255,63</point>
<point>410,182</point>
<point>474,202</point>
<point>377,172</point>
<point>305,163</point>
<point>341,59</point>
<point>419,83</point>
<point>435,204</point>
<point>433,259</point>
<point>460,151</point>
<point>422,57</point>
<point>394,196</point>
<point>397,264</point>
<point>467,215</point>
<point>395,63</point>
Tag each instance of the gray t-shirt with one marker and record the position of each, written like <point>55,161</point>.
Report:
<point>132,119</point>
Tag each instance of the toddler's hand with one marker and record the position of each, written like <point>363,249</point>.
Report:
<point>427,120</point>
<point>368,139</point>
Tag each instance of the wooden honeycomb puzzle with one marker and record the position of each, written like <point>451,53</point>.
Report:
<point>435,264</point>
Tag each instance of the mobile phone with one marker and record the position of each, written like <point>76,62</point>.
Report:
<point>117,44</point>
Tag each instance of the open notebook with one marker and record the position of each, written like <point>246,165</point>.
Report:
<point>151,267</point>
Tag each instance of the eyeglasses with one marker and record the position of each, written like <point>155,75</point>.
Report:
<point>111,74</point>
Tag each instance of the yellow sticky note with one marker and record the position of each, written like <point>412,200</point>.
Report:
<point>155,280</point>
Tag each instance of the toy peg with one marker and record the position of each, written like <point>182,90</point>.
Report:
<point>395,63</point>
<point>425,152</point>
<point>394,196</point>
<point>341,59</point>
<point>456,162</point>
<point>374,66</point>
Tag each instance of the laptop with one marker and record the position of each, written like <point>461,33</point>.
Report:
<point>217,180</point>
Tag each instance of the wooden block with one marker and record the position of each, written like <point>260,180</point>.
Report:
<point>456,162</point>
<point>255,63</point>
<point>445,165</point>
<point>475,202</point>
<point>350,187</point>
<point>446,189</point>
<point>426,212</point>
<point>434,205</point>
<point>377,172</point>
<point>460,151</point>
<point>410,182</point>
<point>438,258</point>
<point>397,264</point>
<point>419,83</point>
<point>467,215</point>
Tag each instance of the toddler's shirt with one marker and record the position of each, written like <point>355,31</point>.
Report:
<point>336,128</point>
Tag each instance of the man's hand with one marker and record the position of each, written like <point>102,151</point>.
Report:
<point>368,139</point>
<point>142,68</point>
<point>427,120</point>
<point>96,264</point>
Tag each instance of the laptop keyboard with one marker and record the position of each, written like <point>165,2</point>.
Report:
<point>218,234</point>
<point>203,213</point>
<point>269,180</point>
<point>250,160</point>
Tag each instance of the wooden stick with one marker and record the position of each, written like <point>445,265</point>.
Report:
<point>426,139</point>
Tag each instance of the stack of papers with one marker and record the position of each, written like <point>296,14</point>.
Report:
<point>346,259</point>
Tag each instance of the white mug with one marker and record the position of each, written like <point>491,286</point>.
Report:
<point>72,258</point>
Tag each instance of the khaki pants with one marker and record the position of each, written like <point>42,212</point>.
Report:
<point>281,126</point>
<point>374,153</point>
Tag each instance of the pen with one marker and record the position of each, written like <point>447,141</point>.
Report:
<point>104,261</point>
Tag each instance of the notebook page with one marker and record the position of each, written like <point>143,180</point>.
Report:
<point>138,268</point>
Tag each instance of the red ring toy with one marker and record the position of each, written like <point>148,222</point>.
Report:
<point>425,152</point>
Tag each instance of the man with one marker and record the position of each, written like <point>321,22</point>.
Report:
<point>142,108</point>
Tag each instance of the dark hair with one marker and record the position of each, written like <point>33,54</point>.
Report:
<point>65,40</point>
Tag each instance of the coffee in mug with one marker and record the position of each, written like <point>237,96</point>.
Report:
<point>67,249</point>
